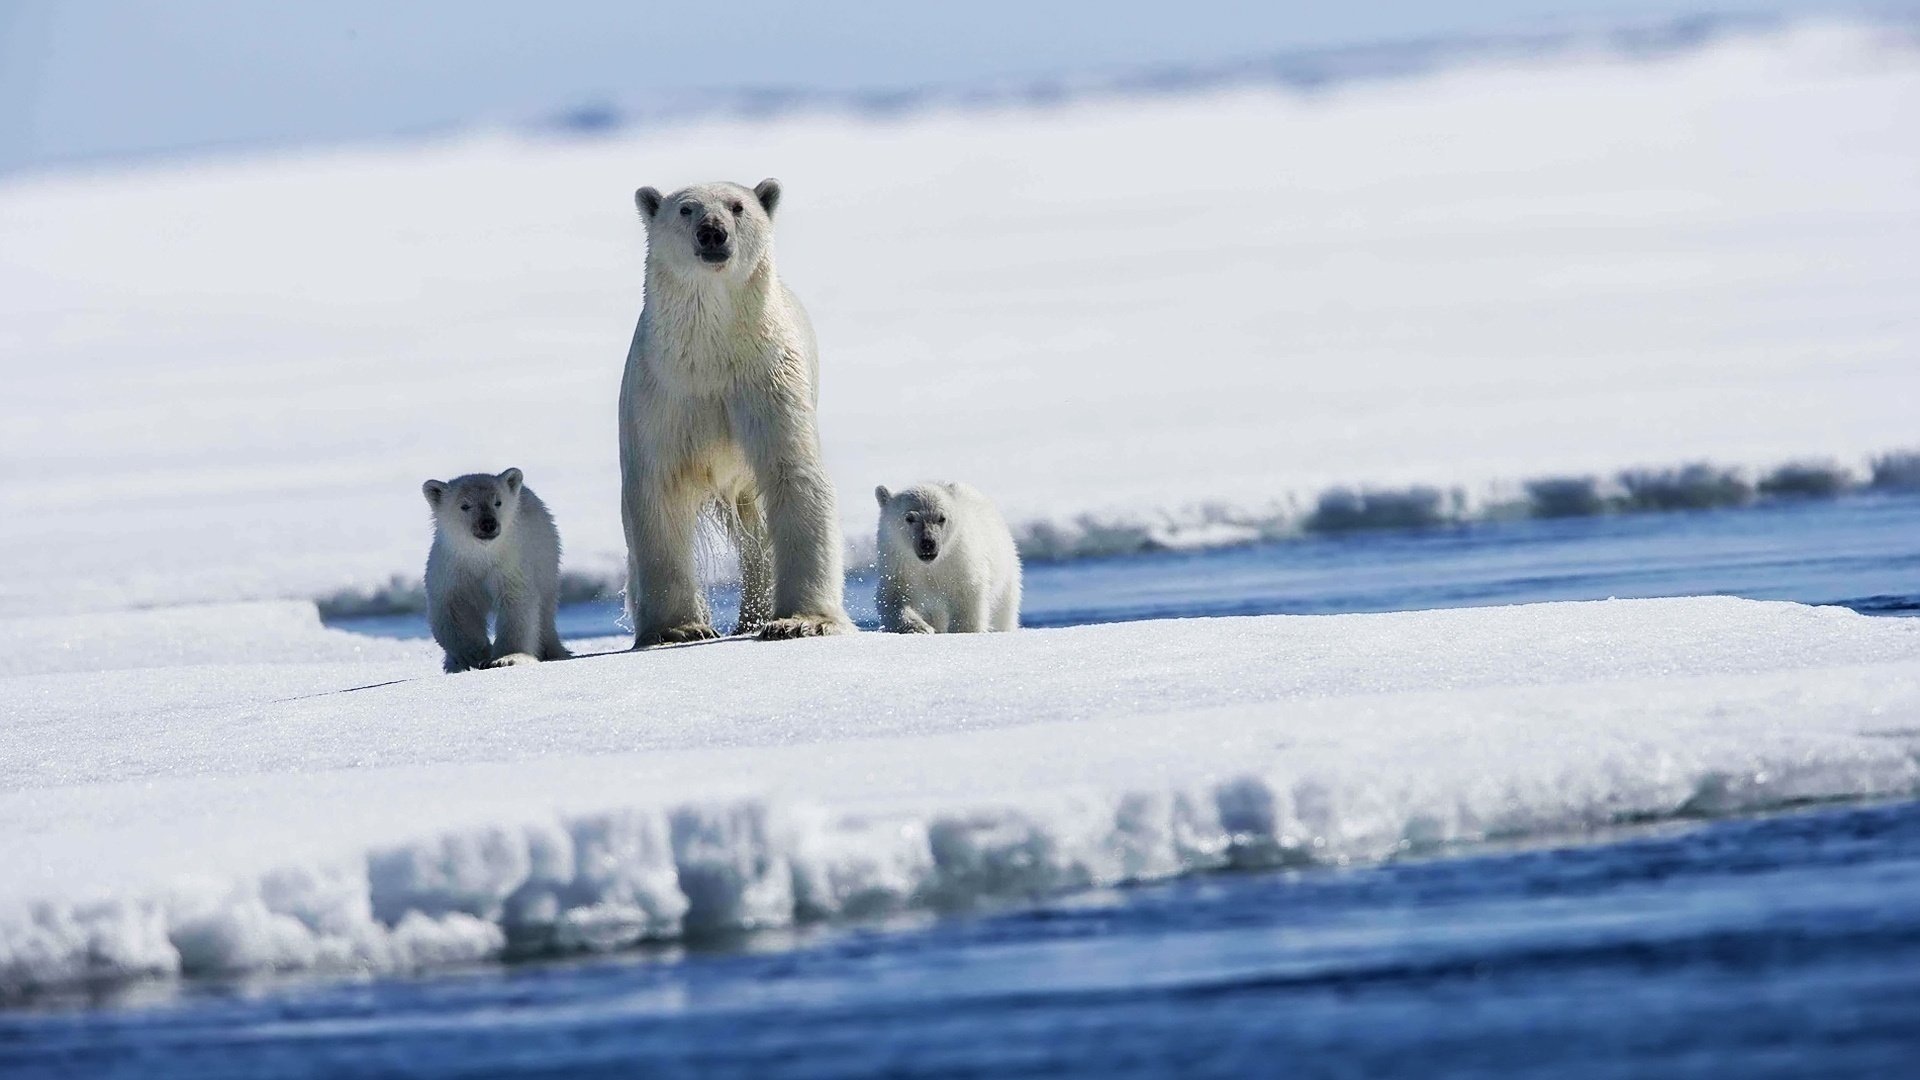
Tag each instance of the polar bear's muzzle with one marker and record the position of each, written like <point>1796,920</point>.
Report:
<point>712,242</point>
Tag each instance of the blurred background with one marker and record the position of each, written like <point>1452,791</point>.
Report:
<point>108,80</point>
<point>1156,278</point>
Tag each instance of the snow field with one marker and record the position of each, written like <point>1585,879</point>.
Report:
<point>231,376</point>
<point>168,827</point>
<point>1181,316</point>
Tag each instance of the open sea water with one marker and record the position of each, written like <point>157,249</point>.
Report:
<point>1778,946</point>
<point>1861,552</point>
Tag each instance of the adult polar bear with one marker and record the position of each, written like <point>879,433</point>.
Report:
<point>718,408</point>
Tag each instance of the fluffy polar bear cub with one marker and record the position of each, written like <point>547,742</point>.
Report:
<point>947,562</point>
<point>495,552</point>
<point>718,408</point>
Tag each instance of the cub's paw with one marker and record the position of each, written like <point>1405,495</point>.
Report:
<point>677,635</point>
<point>799,626</point>
<point>515,659</point>
<point>911,622</point>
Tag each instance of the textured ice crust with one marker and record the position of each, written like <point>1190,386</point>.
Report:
<point>208,818</point>
<point>609,881</point>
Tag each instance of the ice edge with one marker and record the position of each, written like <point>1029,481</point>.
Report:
<point>614,880</point>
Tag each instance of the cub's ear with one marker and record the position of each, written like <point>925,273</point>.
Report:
<point>433,489</point>
<point>768,192</point>
<point>881,495</point>
<point>512,478</point>
<point>648,200</point>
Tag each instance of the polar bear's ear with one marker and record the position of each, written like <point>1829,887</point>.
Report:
<point>768,192</point>
<point>512,478</point>
<point>881,495</point>
<point>433,489</point>
<point>648,200</point>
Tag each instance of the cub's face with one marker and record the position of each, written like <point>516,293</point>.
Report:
<point>914,521</point>
<point>480,506</point>
<point>709,230</point>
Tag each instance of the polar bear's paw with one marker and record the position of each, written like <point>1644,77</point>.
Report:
<point>515,659</point>
<point>678,635</point>
<point>799,626</point>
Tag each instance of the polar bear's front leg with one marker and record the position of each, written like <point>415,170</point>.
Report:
<point>897,614</point>
<point>516,635</point>
<point>775,426</point>
<point>458,617</point>
<point>663,588</point>
<point>973,616</point>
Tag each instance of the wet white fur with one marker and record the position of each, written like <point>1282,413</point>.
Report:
<point>515,577</point>
<point>717,406</point>
<point>972,586</point>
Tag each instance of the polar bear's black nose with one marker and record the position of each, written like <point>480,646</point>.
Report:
<point>927,550</point>
<point>711,234</point>
<point>487,528</point>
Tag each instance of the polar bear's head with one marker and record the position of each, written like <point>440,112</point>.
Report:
<point>709,230</point>
<point>914,521</point>
<point>479,505</point>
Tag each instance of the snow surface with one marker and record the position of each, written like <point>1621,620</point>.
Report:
<point>225,381</point>
<point>208,816</point>
<point>229,377</point>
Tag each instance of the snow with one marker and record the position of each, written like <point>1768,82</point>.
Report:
<point>226,379</point>
<point>231,375</point>
<point>343,807</point>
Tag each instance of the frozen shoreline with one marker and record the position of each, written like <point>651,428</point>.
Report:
<point>230,378</point>
<point>204,817</point>
<point>1337,512</point>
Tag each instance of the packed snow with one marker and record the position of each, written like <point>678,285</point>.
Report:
<point>230,376</point>
<point>227,378</point>
<point>282,796</point>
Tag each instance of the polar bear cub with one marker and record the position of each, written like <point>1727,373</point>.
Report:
<point>947,562</point>
<point>495,552</point>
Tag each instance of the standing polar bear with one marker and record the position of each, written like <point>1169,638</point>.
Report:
<point>718,409</point>
<point>947,562</point>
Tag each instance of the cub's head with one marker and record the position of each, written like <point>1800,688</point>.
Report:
<point>710,230</point>
<point>914,521</point>
<point>480,505</point>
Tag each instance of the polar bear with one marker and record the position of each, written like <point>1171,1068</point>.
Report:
<point>495,551</point>
<point>717,409</point>
<point>947,562</point>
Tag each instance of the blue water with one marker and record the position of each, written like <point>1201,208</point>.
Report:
<point>1862,552</point>
<point>1783,946</point>
<point>1777,947</point>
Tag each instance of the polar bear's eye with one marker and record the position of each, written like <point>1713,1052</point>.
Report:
<point>466,506</point>
<point>496,504</point>
<point>736,208</point>
<point>912,517</point>
<point>686,211</point>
